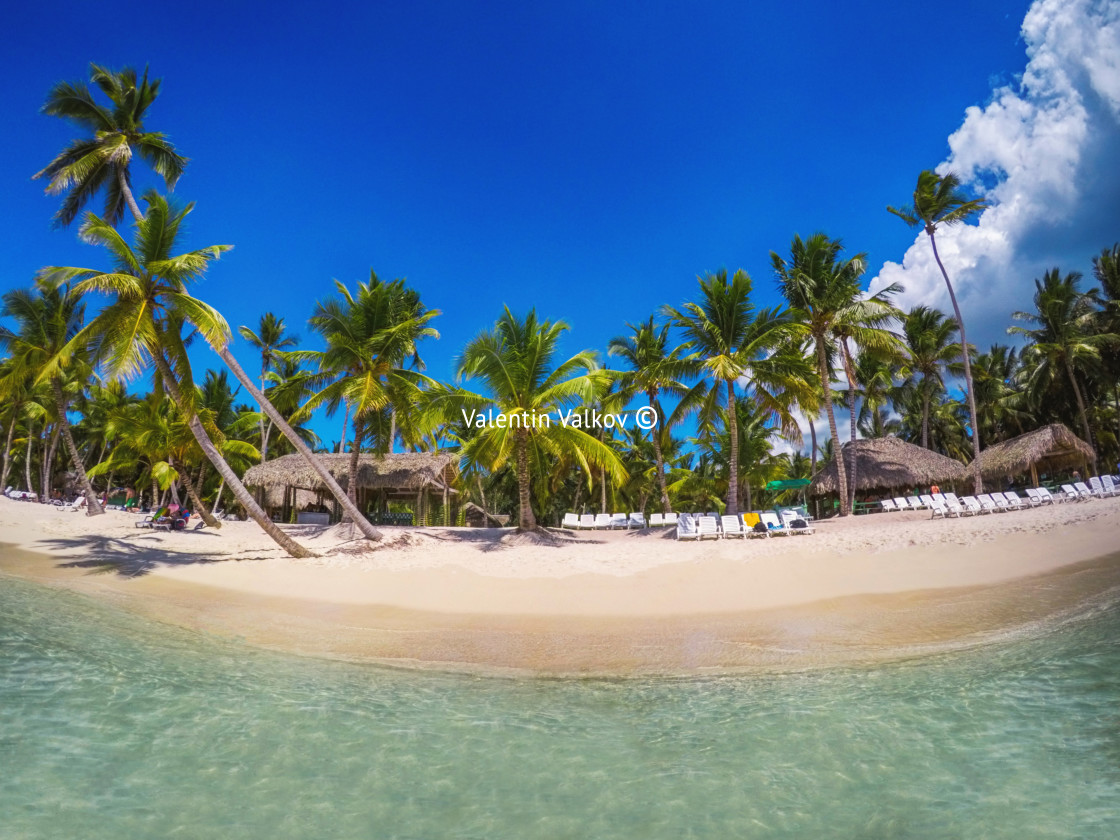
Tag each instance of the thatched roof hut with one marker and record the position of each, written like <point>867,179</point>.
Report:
<point>399,471</point>
<point>886,464</point>
<point>1048,449</point>
<point>413,477</point>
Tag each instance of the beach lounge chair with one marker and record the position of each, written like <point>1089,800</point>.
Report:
<point>794,523</point>
<point>671,519</point>
<point>901,503</point>
<point>773,524</point>
<point>636,520</point>
<point>939,509</point>
<point>571,520</point>
<point>973,506</point>
<point>731,526</point>
<point>1069,494</point>
<point>1034,497</point>
<point>708,526</point>
<point>1014,501</point>
<point>1098,488</point>
<point>687,529</point>
<point>952,497</point>
<point>749,520</point>
<point>888,505</point>
<point>620,520</point>
<point>150,521</point>
<point>587,520</point>
<point>916,503</point>
<point>602,520</point>
<point>996,500</point>
<point>1082,488</point>
<point>1110,485</point>
<point>656,520</point>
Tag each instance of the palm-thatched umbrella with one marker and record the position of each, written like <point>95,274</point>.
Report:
<point>889,463</point>
<point>1048,449</point>
<point>403,476</point>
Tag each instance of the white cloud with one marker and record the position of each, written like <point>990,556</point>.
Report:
<point>1046,152</point>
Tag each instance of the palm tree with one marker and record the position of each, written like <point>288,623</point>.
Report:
<point>939,201</point>
<point>999,402</point>
<point>102,160</point>
<point>48,318</point>
<point>515,360</point>
<point>143,322</point>
<point>268,340</point>
<point>1065,341</point>
<point>930,348</point>
<point>875,378</point>
<point>729,339</point>
<point>1106,269</point>
<point>825,298</point>
<point>655,370</point>
<point>371,355</point>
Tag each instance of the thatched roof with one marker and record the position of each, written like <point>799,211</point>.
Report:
<point>401,471</point>
<point>1050,448</point>
<point>889,463</point>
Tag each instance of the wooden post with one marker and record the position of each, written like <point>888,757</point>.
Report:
<point>446,506</point>
<point>1034,474</point>
<point>419,500</point>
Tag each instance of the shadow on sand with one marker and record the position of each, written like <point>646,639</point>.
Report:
<point>130,557</point>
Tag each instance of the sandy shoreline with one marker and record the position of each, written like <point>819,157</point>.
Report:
<point>590,603</point>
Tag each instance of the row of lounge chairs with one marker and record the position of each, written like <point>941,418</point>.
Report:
<point>948,504</point>
<point>761,524</point>
<point>610,521</point>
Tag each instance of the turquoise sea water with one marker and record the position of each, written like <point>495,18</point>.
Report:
<point>115,727</point>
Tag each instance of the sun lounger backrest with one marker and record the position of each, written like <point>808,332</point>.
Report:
<point>587,520</point>
<point>888,505</point>
<point>671,519</point>
<point>749,520</point>
<point>637,520</point>
<point>952,496</point>
<point>571,520</point>
<point>602,520</point>
<point>730,524</point>
<point>901,503</point>
<point>926,500</point>
<point>915,502</point>
<point>771,520</point>
<point>656,520</point>
<point>686,528</point>
<point>708,526</point>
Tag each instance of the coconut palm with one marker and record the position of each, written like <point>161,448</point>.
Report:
<point>268,340</point>
<point>655,370</point>
<point>1065,341</point>
<point>371,355</point>
<point>143,322</point>
<point>928,334</point>
<point>47,319</point>
<point>939,201</point>
<point>729,339</point>
<point>102,161</point>
<point>824,295</point>
<point>516,362</point>
<point>1001,405</point>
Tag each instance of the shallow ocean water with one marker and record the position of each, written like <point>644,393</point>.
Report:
<point>112,726</point>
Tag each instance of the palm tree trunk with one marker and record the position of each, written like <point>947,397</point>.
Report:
<point>977,479</point>
<point>733,451</point>
<point>925,415</point>
<point>345,428</point>
<point>602,489</point>
<point>813,439</point>
<point>392,429</point>
<point>218,499</point>
<point>841,473</point>
<point>196,502</point>
<point>127,193</point>
<point>355,455</point>
<point>1082,413</point>
<point>28,452</point>
<point>261,421</point>
<point>211,451</point>
<point>48,461</point>
<point>526,520</point>
<point>850,374</point>
<point>8,447</point>
<point>349,507</point>
<point>93,507</point>
<point>655,435</point>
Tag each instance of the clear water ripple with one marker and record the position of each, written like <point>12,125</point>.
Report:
<point>115,727</point>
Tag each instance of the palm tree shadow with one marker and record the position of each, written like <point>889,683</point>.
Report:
<point>124,557</point>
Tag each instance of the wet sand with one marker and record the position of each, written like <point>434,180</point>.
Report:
<point>593,604</point>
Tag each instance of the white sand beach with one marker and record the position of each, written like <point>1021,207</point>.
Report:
<point>619,602</point>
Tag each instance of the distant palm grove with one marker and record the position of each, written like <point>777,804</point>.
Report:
<point>728,379</point>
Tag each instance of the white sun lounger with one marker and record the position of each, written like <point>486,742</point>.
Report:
<point>619,520</point>
<point>637,520</point>
<point>888,505</point>
<point>686,528</point>
<point>1098,488</point>
<point>996,500</point>
<point>731,525</point>
<point>1034,497</point>
<point>708,526</point>
<point>571,520</point>
<point>656,520</point>
<point>973,506</point>
<point>671,519</point>
<point>1069,494</point>
<point>915,503</point>
<point>1110,485</point>
<point>901,503</point>
<point>1083,489</point>
<point>602,520</point>
<point>773,524</point>
<point>1014,501</point>
<point>791,516</point>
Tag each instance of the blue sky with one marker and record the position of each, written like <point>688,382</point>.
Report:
<point>587,159</point>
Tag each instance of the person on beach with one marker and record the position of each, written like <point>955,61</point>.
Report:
<point>934,489</point>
